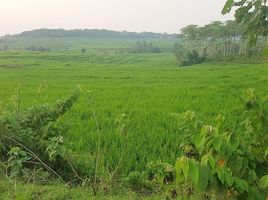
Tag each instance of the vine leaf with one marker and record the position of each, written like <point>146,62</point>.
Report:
<point>263,184</point>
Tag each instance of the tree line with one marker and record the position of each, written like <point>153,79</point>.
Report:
<point>144,47</point>
<point>216,40</point>
<point>92,33</point>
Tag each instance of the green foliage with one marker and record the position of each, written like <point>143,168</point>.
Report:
<point>189,58</point>
<point>31,140</point>
<point>149,89</point>
<point>160,172</point>
<point>16,159</point>
<point>218,41</point>
<point>228,163</point>
<point>252,14</point>
<point>263,184</point>
<point>139,182</point>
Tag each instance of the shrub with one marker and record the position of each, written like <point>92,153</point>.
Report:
<point>189,58</point>
<point>229,165</point>
<point>31,144</point>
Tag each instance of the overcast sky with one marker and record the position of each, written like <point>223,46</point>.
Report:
<point>132,15</point>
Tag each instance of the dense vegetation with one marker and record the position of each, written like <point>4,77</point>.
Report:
<point>252,15</point>
<point>246,36</point>
<point>148,88</point>
<point>137,125</point>
<point>217,41</point>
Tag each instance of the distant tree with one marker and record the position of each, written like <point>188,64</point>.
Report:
<point>253,14</point>
<point>144,47</point>
<point>190,32</point>
<point>94,33</point>
<point>189,58</point>
<point>155,50</point>
<point>218,40</point>
<point>42,49</point>
<point>83,50</point>
<point>31,48</point>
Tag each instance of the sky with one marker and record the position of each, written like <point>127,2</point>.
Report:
<point>132,15</point>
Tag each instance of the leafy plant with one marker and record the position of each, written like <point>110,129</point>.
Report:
<point>229,164</point>
<point>16,159</point>
<point>31,140</point>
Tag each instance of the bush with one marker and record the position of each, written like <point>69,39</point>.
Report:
<point>189,58</point>
<point>31,144</point>
<point>215,163</point>
<point>229,165</point>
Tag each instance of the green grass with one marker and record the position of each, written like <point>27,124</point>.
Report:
<point>148,88</point>
<point>15,190</point>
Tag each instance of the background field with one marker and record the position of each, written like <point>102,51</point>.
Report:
<point>148,88</point>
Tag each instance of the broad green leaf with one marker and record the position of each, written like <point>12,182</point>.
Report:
<point>266,152</point>
<point>204,177</point>
<point>219,120</point>
<point>241,185</point>
<point>229,149</point>
<point>220,174</point>
<point>179,177</point>
<point>208,159</point>
<point>194,172</point>
<point>181,169</point>
<point>215,132</point>
<point>240,14</point>
<point>228,178</point>
<point>185,168</point>
<point>200,141</point>
<point>227,136</point>
<point>235,163</point>
<point>228,6</point>
<point>211,161</point>
<point>254,194</point>
<point>258,3</point>
<point>205,130</point>
<point>263,184</point>
<point>234,141</point>
<point>217,143</point>
<point>204,160</point>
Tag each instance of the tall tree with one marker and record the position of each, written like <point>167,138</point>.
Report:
<point>253,14</point>
<point>190,32</point>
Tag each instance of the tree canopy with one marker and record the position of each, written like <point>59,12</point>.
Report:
<point>252,14</point>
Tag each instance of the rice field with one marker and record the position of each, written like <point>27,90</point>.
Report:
<point>148,88</point>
